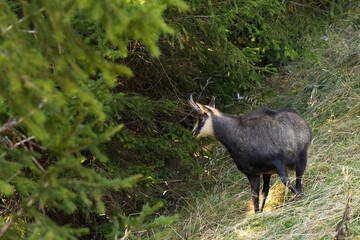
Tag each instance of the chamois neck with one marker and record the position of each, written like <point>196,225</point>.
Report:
<point>225,127</point>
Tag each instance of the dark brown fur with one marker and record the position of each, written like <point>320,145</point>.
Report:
<point>263,143</point>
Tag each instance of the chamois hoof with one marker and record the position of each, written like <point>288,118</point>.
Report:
<point>299,196</point>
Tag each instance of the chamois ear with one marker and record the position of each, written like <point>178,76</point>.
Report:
<point>205,110</point>
<point>212,102</point>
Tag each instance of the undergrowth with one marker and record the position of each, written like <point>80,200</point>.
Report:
<point>327,94</point>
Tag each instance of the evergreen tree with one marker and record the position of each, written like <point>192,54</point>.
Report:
<point>75,74</point>
<point>53,89</point>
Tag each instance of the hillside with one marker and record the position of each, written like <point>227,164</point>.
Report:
<point>95,126</point>
<point>327,93</point>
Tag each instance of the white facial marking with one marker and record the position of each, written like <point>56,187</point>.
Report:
<point>207,129</point>
<point>196,124</point>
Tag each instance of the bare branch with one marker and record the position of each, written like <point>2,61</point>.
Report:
<point>6,141</point>
<point>21,138</point>
<point>21,20</point>
<point>8,224</point>
<point>4,206</point>
<point>127,233</point>
<point>176,91</point>
<point>29,31</point>
<point>6,227</point>
<point>32,143</point>
<point>16,122</point>
<point>38,164</point>
<point>203,88</point>
<point>23,141</point>
<point>11,124</point>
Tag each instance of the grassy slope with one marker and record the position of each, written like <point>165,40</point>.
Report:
<point>222,208</point>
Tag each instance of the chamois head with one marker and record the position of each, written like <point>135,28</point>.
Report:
<point>204,125</point>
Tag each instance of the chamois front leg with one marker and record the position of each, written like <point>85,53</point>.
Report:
<point>255,186</point>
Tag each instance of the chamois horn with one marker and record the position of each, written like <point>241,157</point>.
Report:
<point>194,106</point>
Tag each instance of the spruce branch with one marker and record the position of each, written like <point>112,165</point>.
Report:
<point>21,20</point>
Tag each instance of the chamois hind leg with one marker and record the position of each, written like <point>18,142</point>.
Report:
<point>299,169</point>
<point>284,178</point>
<point>255,186</point>
<point>265,191</point>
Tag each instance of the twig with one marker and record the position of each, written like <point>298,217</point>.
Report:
<point>3,206</point>
<point>169,181</point>
<point>23,141</point>
<point>176,91</point>
<point>308,6</point>
<point>16,122</point>
<point>11,124</point>
<point>6,141</point>
<point>205,16</point>
<point>37,164</point>
<point>21,20</point>
<point>29,31</point>
<point>12,146</point>
<point>202,90</point>
<point>6,227</point>
<point>8,224</point>
<point>127,233</point>
<point>32,143</point>
<point>341,233</point>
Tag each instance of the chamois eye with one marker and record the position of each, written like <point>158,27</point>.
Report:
<point>203,118</point>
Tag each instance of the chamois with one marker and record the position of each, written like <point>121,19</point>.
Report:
<point>260,143</point>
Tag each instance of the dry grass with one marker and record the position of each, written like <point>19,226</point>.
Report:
<point>332,181</point>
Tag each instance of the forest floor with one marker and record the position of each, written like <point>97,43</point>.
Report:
<point>327,94</point>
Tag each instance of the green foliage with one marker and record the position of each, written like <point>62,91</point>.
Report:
<point>123,226</point>
<point>54,90</point>
<point>235,44</point>
<point>232,39</point>
<point>149,134</point>
<point>76,74</point>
